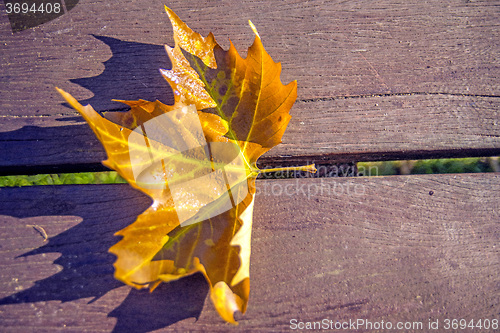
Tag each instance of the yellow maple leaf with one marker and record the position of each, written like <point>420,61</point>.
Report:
<point>197,160</point>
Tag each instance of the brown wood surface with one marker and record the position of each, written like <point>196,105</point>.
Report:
<point>400,248</point>
<point>377,79</point>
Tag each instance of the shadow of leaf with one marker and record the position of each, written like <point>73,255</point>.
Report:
<point>87,267</point>
<point>131,73</point>
<point>188,294</point>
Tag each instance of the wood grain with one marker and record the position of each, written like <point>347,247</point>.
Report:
<point>362,129</point>
<point>377,79</point>
<point>400,248</point>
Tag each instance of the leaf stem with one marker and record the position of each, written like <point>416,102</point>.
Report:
<point>309,168</point>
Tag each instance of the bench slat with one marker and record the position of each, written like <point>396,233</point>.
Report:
<point>428,74</point>
<point>408,127</point>
<point>401,248</point>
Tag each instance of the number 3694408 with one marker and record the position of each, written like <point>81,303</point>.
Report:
<point>480,324</point>
<point>26,8</point>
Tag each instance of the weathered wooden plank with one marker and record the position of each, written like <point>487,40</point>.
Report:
<point>410,127</point>
<point>359,129</point>
<point>402,248</point>
<point>429,74</point>
<point>333,48</point>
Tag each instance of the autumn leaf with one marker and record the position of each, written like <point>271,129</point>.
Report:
<point>196,159</point>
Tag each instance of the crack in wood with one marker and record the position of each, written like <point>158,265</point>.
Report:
<point>333,98</point>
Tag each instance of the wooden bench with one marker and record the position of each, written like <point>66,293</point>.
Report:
<point>377,80</point>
